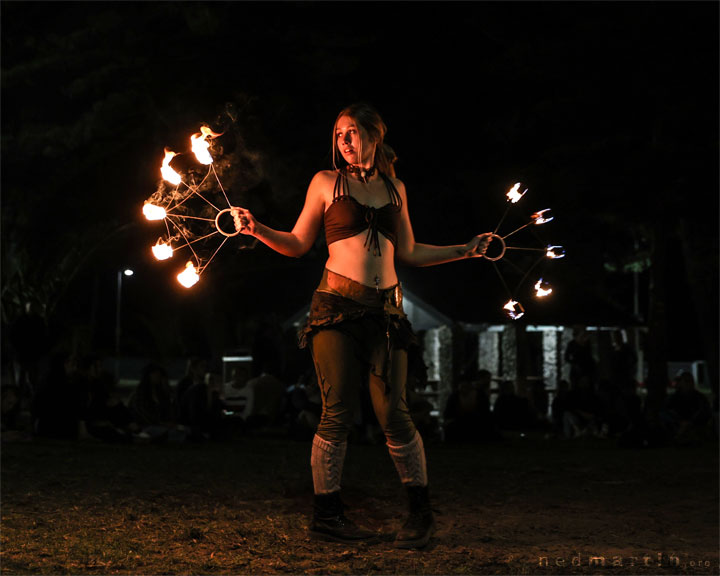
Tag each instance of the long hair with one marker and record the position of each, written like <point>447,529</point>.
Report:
<point>369,120</point>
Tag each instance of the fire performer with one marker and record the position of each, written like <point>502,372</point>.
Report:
<point>357,331</point>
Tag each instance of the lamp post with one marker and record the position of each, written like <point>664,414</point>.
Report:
<point>118,330</point>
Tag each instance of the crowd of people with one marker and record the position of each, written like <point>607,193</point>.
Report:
<point>584,405</point>
<point>79,398</point>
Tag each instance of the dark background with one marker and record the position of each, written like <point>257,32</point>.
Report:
<point>606,111</point>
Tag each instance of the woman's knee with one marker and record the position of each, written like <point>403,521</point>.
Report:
<point>399,429</point>
<point>336,426</point>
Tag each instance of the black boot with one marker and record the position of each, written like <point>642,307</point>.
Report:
<point>420,524</point>
<point>329,522</point>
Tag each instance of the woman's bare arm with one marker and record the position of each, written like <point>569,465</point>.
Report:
<point>297,242</point>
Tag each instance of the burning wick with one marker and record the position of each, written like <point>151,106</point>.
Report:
<point>162,251</point>
<point>513,195</point>
<point>188,277</point>
<point>513,309</point>
<point>153,212</point>
<point>555,252</point>
<point>542,217</point>
<point>200,146</point>
<point>168,173</point>
<point>542,288</point>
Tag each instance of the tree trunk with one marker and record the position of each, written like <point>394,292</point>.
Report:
<point>701,266</point>
<point>656,350</point>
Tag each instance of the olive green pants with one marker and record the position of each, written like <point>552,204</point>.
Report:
<point>350,357</point>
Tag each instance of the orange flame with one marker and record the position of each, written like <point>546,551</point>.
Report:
<point>188,277</point>
<point>200,146</point>
<point>542,289</point>
<point>513,309</point>
<point>555,252</point>
<point>542,216</point>
<point>168,173</point>
<point>513,195</point>
<point>153,212</point>
<point>162,250</point>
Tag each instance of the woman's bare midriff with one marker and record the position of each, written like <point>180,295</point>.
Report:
<point>351,258</point>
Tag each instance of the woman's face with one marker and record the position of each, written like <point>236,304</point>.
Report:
<point>352,140</point>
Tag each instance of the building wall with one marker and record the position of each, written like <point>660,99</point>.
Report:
<point>489,351</point>
<point>438,358</point>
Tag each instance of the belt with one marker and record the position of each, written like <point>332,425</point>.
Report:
<point>335,283</point>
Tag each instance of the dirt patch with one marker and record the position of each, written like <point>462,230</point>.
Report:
<point>519,506</point>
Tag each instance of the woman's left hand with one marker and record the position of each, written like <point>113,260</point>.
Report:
<point>477,246</point>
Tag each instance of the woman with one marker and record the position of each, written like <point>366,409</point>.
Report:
<point>356,331</point>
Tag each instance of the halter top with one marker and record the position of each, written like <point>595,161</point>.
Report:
<point>346,217</point>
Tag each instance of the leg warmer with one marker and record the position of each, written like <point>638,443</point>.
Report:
<point>410,461</point>
<point>326,461</point>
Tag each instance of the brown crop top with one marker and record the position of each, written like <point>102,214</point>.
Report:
<point>346,217</point>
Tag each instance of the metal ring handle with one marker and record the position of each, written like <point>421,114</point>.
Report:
<point>217,225</point>
<point>494,236</point>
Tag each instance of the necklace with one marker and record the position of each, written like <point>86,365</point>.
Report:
<point>363,174</point>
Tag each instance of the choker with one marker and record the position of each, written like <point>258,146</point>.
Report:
<point>363,174</point>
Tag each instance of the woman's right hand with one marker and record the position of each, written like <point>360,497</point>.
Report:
<point>245,222</point>
<point>477,246</point>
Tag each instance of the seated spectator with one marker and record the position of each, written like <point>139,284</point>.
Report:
<point>421,408</point>
<point>203,411</point>
<point>59,404</point>
<point>154,408</point>
<point>421,412</point>
<point>687,412</point>
<point>194,374</point>
<point>304,406</point>
<point>265,400</point>
<point>10,424</point>
<point>106,417</point>
<point>467,412</point>
<point>512,412</point>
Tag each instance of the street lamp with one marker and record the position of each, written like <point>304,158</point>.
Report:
<point>126,272</point>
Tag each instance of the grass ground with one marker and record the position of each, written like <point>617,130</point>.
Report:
<point>519,506</point>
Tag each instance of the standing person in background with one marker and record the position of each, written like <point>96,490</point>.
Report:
<point>579,355</point>
<point>357,331</point>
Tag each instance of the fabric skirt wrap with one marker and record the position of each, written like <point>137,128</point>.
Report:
<point>339,300</point>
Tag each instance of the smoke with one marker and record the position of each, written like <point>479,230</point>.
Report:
<point>193,205</point>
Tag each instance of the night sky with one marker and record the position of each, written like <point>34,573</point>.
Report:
<point>606,111</point>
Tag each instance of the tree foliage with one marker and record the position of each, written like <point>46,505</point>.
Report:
<point>607,111</point>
